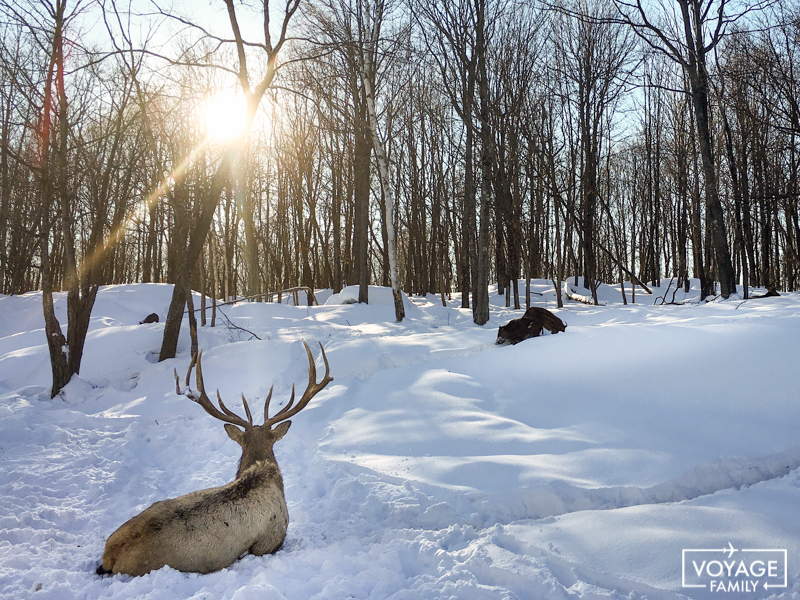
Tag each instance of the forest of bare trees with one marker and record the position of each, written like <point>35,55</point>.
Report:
<point>434,146</point>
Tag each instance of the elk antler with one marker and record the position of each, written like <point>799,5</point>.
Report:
<point>287,412</point>
<point>227,415</point>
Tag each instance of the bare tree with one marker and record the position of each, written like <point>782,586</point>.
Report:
<point>452,45</point>
<point>687,37</point>
<point>596,58</point>
<point>370,18</point>
<point>82,194</point>
<point>253,95</point>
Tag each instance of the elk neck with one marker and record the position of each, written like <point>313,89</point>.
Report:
<point>257,450</point>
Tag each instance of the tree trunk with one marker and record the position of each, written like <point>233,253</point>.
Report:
<point>698,81</point>
<point>480,308</point>
<point>65,354</point>
<point>251,241</point>
<point>361,184</point>
<point>366,65</point>
<point>56,342</point>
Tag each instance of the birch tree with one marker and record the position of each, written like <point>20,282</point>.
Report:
<point>370,17</point>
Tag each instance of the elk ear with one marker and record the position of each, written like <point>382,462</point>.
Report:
<point>236,434</point>
<point>281,430</point>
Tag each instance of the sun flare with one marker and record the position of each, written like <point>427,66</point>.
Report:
<point>224,114</point>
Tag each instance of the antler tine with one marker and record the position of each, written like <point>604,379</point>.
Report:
<point>281,411</point>
<point>312,390</point>
<point>227,416</point>
<point>288,404</point>
<point>188,373</point>
<point>247,409</point>
<point>266,404</point>
<point>198,373</point>
<point>191,366</point>
<point>224,408</point>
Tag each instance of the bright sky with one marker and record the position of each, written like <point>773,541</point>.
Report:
<point>146,22</point>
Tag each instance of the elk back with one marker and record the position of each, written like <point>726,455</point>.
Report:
<point>203,531</point>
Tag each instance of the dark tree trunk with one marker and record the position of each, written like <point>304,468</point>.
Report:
<point>469,222</point>
<point>363,148</point>
<point>698,81</point>
<point>336,209</point>
<point>480,308</point>
<point>56,342</point>
<point>737,200</point>
<point>65,354</point>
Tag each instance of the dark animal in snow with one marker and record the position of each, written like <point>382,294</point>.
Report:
<point>531,324</point>
<point>151,318</point>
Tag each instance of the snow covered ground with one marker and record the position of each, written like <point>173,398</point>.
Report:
<point>436,465</point>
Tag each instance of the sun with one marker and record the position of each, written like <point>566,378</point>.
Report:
<point>224,114</point>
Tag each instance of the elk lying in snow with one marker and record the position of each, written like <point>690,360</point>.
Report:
<point>209,529</point>
<point>531,324</point>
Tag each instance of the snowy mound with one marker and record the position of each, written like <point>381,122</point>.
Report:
<point>377,295</point>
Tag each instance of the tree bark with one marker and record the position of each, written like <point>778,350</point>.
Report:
<point>480,308</point>
<point>380,154</point>
<point>361,186</point>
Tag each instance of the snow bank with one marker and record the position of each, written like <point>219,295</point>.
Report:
<point>377,296</point>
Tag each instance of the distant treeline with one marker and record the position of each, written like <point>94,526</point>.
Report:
<point>523,139</point>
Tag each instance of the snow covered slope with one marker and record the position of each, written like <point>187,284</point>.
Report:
<point>436,465</point>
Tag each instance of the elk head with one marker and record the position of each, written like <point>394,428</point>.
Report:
<point>256,440</point>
